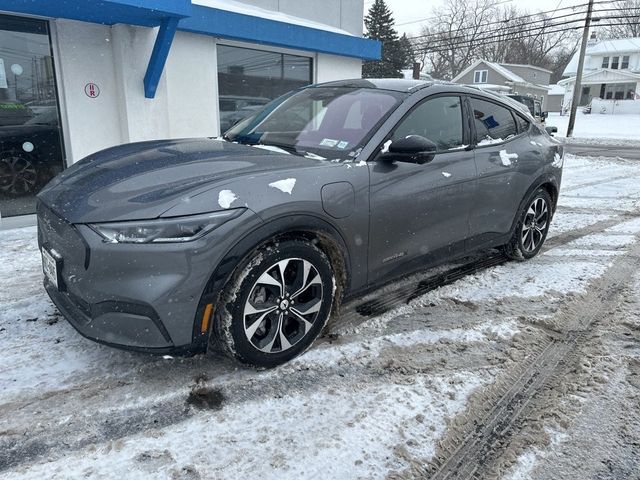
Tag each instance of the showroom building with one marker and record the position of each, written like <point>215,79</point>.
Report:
<point>78,76</point>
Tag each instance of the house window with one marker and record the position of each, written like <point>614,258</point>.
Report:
<point>625,62</point>
<point>480,76</point>
<point>615,62</point>
<point>605,62</point>
<point>620,91</point>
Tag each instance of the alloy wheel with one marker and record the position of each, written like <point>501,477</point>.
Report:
<point>283,305</point>
<point>535,224</point>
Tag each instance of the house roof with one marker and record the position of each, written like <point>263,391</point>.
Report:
<point>556,89</point>
<point>604,47</point>
<point>526,66</point>
<point>603,75</point>
<point>505,72</point>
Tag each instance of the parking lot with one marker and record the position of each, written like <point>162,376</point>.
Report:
<point>506,370</point>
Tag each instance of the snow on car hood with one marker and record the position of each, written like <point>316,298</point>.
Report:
<point>145,180</point>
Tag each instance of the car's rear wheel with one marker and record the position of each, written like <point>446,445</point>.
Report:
<point>276,304</point>
<point>532,227</point>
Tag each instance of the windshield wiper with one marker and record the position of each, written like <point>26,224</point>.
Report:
<point>283,146</point>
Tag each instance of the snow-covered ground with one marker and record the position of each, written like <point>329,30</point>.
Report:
<point>617,129</point>
<point>374,398</point>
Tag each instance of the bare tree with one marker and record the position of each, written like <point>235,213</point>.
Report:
<point>458,25</point>
<point>629,21</point>
<point>466,30</point>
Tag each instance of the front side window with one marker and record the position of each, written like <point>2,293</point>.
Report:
<point>615,62</point>
<point>605,62</point>
<point>480,76</point>
<point>625,62</point>
<point>249,79</point>
<point>438,119</point>
<point>333,122</point>
<point>493,122</point>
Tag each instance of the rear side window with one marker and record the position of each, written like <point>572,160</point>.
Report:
<point>438,119</point>
<point>493,123</point>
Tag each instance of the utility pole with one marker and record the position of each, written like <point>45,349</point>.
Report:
<point>577,87</point>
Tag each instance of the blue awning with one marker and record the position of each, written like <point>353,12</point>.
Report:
<point>173,15</point>
<point>146,13</point>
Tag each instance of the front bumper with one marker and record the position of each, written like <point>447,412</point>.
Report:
<point>143,297</point>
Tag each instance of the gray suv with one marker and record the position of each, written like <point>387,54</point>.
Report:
<point>248,242</point>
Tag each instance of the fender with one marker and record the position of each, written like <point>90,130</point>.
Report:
<point>253,240</point>
<point>543,179</point>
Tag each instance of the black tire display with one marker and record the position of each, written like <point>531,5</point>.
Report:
<point>276,304</point>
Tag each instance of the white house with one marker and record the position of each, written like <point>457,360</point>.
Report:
<point>611,76</point>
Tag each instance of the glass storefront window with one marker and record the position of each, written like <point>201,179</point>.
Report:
<point>30,136</point>
<point>249,79</point>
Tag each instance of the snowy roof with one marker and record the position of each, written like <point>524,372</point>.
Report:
<point>503,71</point>
<point>556,90</point>
<point>526,66</point>
<point>253,11</point>
<point>604,47</point>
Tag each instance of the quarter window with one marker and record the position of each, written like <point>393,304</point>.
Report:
<point>438,119</point>
<point>523,125</point>
<point>480,76</point>
<point>493,122</point>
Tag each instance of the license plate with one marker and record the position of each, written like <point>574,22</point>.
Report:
<point>50,267</point>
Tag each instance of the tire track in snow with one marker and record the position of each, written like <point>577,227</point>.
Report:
<point>484,432</point>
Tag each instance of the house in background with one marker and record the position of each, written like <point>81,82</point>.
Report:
<point>507,78</point>
<point>611,76</point>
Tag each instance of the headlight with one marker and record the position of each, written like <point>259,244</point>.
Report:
<point>164,230</point>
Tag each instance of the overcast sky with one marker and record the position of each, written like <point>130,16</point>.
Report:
<point>412,10</point>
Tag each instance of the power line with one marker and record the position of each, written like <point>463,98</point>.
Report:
<point>452,42</point>
<point>441,49</point>
<point>522,17</point>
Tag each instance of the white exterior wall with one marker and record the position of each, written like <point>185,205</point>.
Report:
<point>83,54</point>
<point>331,67</point>
<point>116,58</point>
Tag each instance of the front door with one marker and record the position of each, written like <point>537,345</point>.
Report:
<point>30,135</point>
<point>420,213</point>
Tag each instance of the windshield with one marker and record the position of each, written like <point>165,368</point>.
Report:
<point>333,122</point>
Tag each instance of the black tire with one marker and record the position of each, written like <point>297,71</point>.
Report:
<point>282,334</point>
<point>531,230</point>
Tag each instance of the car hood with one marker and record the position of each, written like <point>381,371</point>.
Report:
<point>146,180</point>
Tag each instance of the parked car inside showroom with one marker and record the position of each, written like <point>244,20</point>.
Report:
<point>247,243</point>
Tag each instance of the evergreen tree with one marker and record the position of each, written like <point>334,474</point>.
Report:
<point>380,26</point>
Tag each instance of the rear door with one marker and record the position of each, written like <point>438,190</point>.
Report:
<point>421,212</point>
<point>506,160</point>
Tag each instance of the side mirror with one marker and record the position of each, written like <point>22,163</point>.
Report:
<point>551,130</point>
<point>411,149</point>
<point>545,114</point>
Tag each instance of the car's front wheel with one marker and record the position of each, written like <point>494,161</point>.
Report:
<point>532,227</point>
<point>276,304</point>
